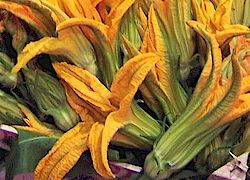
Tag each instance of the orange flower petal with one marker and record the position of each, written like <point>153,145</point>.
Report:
<point>94,144</point>
<point>36,125</point>
<point>126,83</point>
<point>64,154</point>
<point>82,107</point>
<point>85,85</point>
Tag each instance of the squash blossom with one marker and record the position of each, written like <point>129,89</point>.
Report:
<point>133,26</point>
<point>103,112</point>
<point>169,37</point>
<point>76,29</point>
<point>217,21</point>
<point>104,35</point>
<point>70,43</point>
<point>206,114</point>
<point>215,154</point>
<point>50,98</point>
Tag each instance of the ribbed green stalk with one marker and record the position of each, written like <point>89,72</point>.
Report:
<point>144,129</point>
<point>7,79</point>
<point>129,29</point>
<point>189,134</point>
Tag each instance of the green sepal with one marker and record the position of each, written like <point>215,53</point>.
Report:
<point>50,98</point>
<point>7,79</point>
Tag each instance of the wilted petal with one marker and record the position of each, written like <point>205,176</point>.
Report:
<point>14,26</point>
<point>32,13</point>
<point>35,125</point>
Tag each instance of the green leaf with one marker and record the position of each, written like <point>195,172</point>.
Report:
<point>26,152</point>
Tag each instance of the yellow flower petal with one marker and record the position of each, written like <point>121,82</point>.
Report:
<point>155,34</point>
<point>94,144</point>
<point>85,85</point>
<point>245,87</point>
<point>199,14</point>
<point>82,107</point>
<point>88,8</point>
<point>218,22</point>
<point>64,154</point>
<point>230,32</point>
<point>208,10</point>
<point>78,8</point>
<point>217,95</point>
<point>66,45</point>
<point>114,121</point>
<point>147,43</point>
<point>143,21</point>
<point>71,8</point>
<point>241,107</point>
<point>33,49</point>
<point>36,125</point>
<point>100,30</point>
<point>95,2</point>
<point>222,15</point>
<point>114,18</point>
<point>126,83</point>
